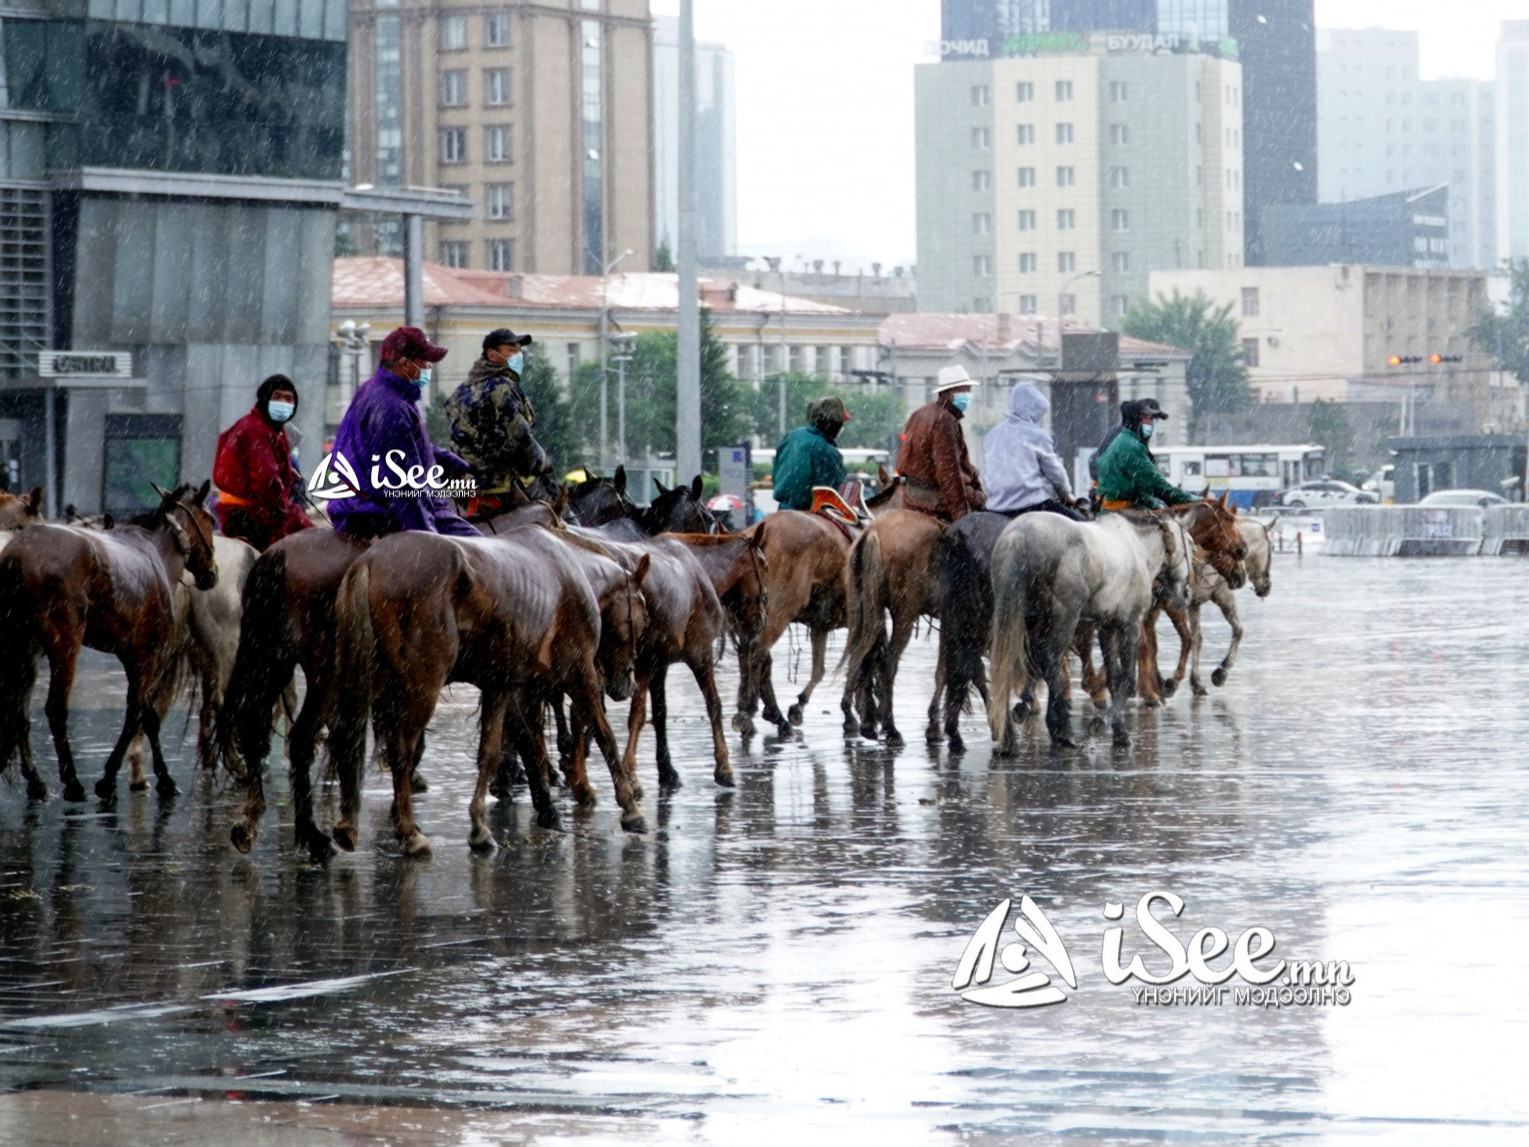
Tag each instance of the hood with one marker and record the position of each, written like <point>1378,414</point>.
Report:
<point>1027,403</point>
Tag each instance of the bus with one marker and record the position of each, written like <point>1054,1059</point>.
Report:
<point>1250,475</point>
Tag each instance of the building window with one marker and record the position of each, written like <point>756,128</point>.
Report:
<point>1024,92</point>
<point>573,359</point>
<point>501,254</point>
<point>499,200</point>
<point>496,29</point>
<point>1122,306</point>
<point>1029,263</point>
<point>980,96</point>
<point>1250,352</point>
<point>1117,91</point>
<point>1120,177</point>
<point>454,145</point>
<point>1029,304</point>
<point>453,89</point>
<point>1067,304</point>
<point>982,265</point>
<point>1064,133</point>
<point>1063,91</point>
<point>982,138</point>
<point>1066,262</point>
<point>1025,134</point>
<point>1119,133</point>
<point>453,33</point>
<point>496,87</point>
<point>797,362</point>
<point>1064,177</point>
<point>1027,177</point>
<point>982,223</point>
<point>982,181</point>
<point>1027,220</point>
<point>1120,262</point>
<point>454,253</point>
<point>496,144</point>
<point>846,361</point>
<point>1250,302</point>
<point>1065,219</point>
<point>1120,220</point>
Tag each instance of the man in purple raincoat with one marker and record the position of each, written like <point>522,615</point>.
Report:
<point>392,465</point>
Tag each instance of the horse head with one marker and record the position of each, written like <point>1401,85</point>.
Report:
<point>18,511</point>
<point>596,501</point>
<point>183,513</point>
<point>624,621</point>
<point>1213,526</point>
<point>1178,554</point>
<point>678,511</point>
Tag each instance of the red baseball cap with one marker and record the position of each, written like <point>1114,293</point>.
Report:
<point>410,343</point>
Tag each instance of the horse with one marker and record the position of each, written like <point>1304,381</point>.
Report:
<point>1049,575</point>
<point>678,511</point>
<point>597,501</point>
<point>1208,585</point>
<point>525,620</point>
<point>964,589</point>
<point>62,587</point>
<point>18,511</point>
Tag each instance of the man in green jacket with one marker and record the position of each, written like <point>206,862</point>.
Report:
<point>1128,478</point>
<point>807,457</point>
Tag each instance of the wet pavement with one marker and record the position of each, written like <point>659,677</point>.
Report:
<point>779,959</point>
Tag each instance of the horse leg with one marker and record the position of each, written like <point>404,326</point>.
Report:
<point>574,775</point>
<point>1051,664</point>
<point>706,678</point>
<point>61,665</point>
<point>636,717</point>
<point>902,633</point>
<point>1185,623</point>
<point>932,732</point>
<point>819,668</point>
<point>1146,662</point>
<point>668,776</point>
<point>302,748</point>
<point>770,708</point>
<point>494,705</point>
<point>955,692</point>
<point>564,738</point>
<point>401,745</point>
<point>748,696</point>
<point>132,724</point>
<point>1228,606</point>
<point>587,699</point>
<point>529,735</point>
<point>164,783</point>
<point>16,723</point>
<point>137,778</point>
<point>1122,660</point>
<point>1095,683</point>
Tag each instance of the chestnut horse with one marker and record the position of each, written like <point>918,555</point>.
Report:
<point>18,511</point>
<point>63,587</point>
<point>1208,585</point>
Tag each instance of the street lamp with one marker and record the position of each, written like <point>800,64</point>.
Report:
<point>625,344</point>
<point>1061,340</point>
<point>605,278</point>
<point>353,344</point>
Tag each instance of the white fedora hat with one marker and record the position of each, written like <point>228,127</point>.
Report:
<point>953,376</point>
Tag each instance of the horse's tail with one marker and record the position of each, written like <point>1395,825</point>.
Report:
<point>966,614</point>
<point>263,665</point>
<point>1009,655</point>
<point>865,602</point>
<point>18,666</point>
<point>355,654</point>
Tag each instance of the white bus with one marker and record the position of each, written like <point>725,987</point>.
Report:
<point>1251,475</point>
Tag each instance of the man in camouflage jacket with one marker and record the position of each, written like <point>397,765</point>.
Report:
<point>492,419</point>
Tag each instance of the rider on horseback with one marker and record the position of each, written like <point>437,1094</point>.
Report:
<point>258,486</point>
<point>491,421</point>
<point>1023,471</point>
<point>1128,476</point>
<point>941,480</point>
<point>807,457</point>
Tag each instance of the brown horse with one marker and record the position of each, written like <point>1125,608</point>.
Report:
<point>62,587</point>
<point>525,619</point>
<point>18,511</point>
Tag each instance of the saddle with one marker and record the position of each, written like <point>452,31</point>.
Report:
<point>835,507</point>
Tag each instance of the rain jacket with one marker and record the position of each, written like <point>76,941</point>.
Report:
<point>384,418</point>
<point>255,476</point>
<point>805,458</point>
<point>1020,467</point>
<point>1127,474</point>
<point>941,478</point>
<point>491,421</point>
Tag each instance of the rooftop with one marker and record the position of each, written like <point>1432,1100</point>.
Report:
<point>999,333</point>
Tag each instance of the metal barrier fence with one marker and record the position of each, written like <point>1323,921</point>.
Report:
<point>1407,531</point>
<point>1507,530</point>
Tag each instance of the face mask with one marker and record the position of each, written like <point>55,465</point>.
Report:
<point>1146,430</point>
<point>280,411</point>
<point>426,373</point>
<point>516,362</point>
<point>961,401</point>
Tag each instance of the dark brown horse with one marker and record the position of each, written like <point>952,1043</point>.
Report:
<point>524,618</point>
<point>63,587</point>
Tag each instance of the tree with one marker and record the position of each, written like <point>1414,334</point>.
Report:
<point>1217,376</point>
<point>663,258</point>
<point>564,437</point>
<point>1505,336</point>
<point>874,418</point>
<point>1328,425</point>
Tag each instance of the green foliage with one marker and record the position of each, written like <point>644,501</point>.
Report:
<point>873,418</point>
<point>663,258</point>
<point>1328,425</point>
<point>1505,336</point>
<point>1217,377</point>
<point>437,425</point>
<point>565,437</point>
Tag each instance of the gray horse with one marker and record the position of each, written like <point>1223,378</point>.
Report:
<point>1050,574</point>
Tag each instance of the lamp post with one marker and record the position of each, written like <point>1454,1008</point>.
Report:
<point>1061,341</point>
<point>353,344</point>
<point>605,278</point>
<point>624,344</point>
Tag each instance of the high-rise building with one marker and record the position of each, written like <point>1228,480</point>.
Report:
<point>716,187</point>
<point>1058,180</point>
<point>1512,138</point>
<point>1383,131</point>
<point>1274,39</point>
<point>539,112</point>
<point>1404,229</point>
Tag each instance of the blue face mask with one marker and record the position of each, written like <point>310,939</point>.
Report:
<point>961,401</point>
<point>280,411</point>
<point>516,362</point>
<point>425,376</point>
<point>1146,429</point>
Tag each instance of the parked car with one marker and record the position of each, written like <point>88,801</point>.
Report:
<point>1325,492</point>
<point>1383,483</point>
<point>1481,498</point>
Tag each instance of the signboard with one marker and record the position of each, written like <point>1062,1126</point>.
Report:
<point>736,469</point>
<point>85,364</point>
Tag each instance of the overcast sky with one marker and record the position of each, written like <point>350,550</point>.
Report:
<point>825,107</point>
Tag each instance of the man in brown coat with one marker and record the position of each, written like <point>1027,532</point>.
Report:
<point>941,478</point>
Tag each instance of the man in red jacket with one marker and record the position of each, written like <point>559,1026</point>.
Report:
<point>941,480</point>
<point>258,487</point>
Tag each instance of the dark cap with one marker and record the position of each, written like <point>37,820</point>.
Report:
<point>504,337</point>
<point>1149,408</point>
<point>410,343</point>
<point>828,408</point>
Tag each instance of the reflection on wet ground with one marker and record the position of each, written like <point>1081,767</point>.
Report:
<point>780,957</point>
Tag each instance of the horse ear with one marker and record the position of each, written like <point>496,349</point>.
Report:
<point>756,539</point>
<point>881,474</point>
<point>695,488</point>
<point>662,489</point>
<point>70,513</point>
<point>164,495</point>
<point>560,503</point>
<point>201,494</point>
<point>619,481</point>
<point>33,500</point>
<point>107,521</point>
<point>644,564</point>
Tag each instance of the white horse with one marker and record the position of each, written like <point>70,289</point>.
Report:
<point>1208,586</point>
<point>1050,574</point>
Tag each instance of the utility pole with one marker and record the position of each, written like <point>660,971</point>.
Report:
<point>605,312</point>
<point>687,437</point>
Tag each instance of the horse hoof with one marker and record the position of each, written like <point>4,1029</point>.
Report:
<point>1218,677</point>
<point>166,788</point>
<point>1063,742</point>
<point>1121,739</point>
<point>851,727</point>
<point>794,714</point>
<point>933,735</point>
<point>345,837</point>
<point>417,782</point>
<point>416,844</point>
<point>481,840</point>
<point>548,818</point>
<point>583,795</point>
<point>869,731</point>
<point>633,820</point>
<point>242,836</point>
<point>743,724</point>
<point>667,779</point>
<point>1200,690</point>
<point>1022,710</point>
<point>141,785</point>
<point>501,792</point>
<point>638,792</point>
<point>37,791</point>
<point>957,744</point>
<point>1151,703</point>
<point>105,789</point>
<point>724,777</point>
<point>895,739</point>
<point>1167,686</point>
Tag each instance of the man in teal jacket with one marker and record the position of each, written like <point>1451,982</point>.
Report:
<point>807,457</point>
<point>1128,478</point>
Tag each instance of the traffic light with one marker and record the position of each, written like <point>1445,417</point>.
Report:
<point>1438,358</point>
<point>1404,359</point>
